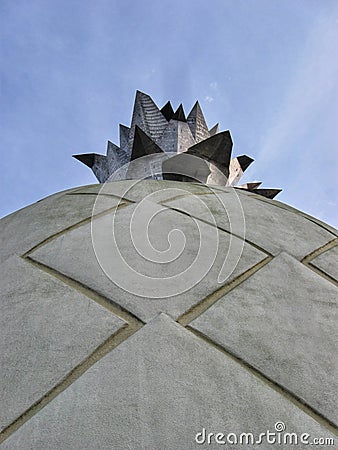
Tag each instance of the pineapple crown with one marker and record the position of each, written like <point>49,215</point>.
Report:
<point>160,141</point>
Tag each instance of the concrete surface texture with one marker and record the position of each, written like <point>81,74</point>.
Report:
<point>160,315</point>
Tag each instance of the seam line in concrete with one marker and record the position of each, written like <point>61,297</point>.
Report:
<point>320,250</point>
<point>324,248</point>
<point>90,293</point>
<point>222,229</point>
<point>108,345</point>
<point>292,210</point>
<point>187,194</point>
<point>200,307</point>
<point>131,325</point>
<point>289,395</point>
<point>98,194</point>
<point>73,227</point>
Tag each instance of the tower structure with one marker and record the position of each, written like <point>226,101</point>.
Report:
<point>167,137</point>
<point>160,313</point>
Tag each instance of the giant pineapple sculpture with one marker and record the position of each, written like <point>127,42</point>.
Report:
<point>167,307</point>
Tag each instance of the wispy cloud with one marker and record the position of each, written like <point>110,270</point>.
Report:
<point>209,99</point>
<point>313,82</point>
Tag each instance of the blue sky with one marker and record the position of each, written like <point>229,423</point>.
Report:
<point>267,70</point>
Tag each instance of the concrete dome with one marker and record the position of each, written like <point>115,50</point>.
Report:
<point>91,357</point>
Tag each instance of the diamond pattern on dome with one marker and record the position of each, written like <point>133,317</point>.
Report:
<point>29,226</point>
<point>271,228</point>
<point>327,262</point>
<point>73,255</point>
<point>266,346</point>
<point>47,329</point>
<point>286,207</point>
<point>156,391</point>
<point>281,321</point>
<point>136,191</point>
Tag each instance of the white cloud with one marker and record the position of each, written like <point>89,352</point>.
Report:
<point>209,99</point>
<point>314,80</point>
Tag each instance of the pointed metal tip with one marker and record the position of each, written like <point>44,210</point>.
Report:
<point>140,94</point>
<point>167,111</point>
<point>214,129</point>
<point>228,135</point>
<point>249,186</point>
<point>268,193</point>
<point>110,145</point>
<point>195,109</point>
<point>138,131</point>
<point>244,161</point>
<point>215,149</point>
<point>253,185</point>
<point>143,145</point>
<point>87,158</point>
<point>179,114</point>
